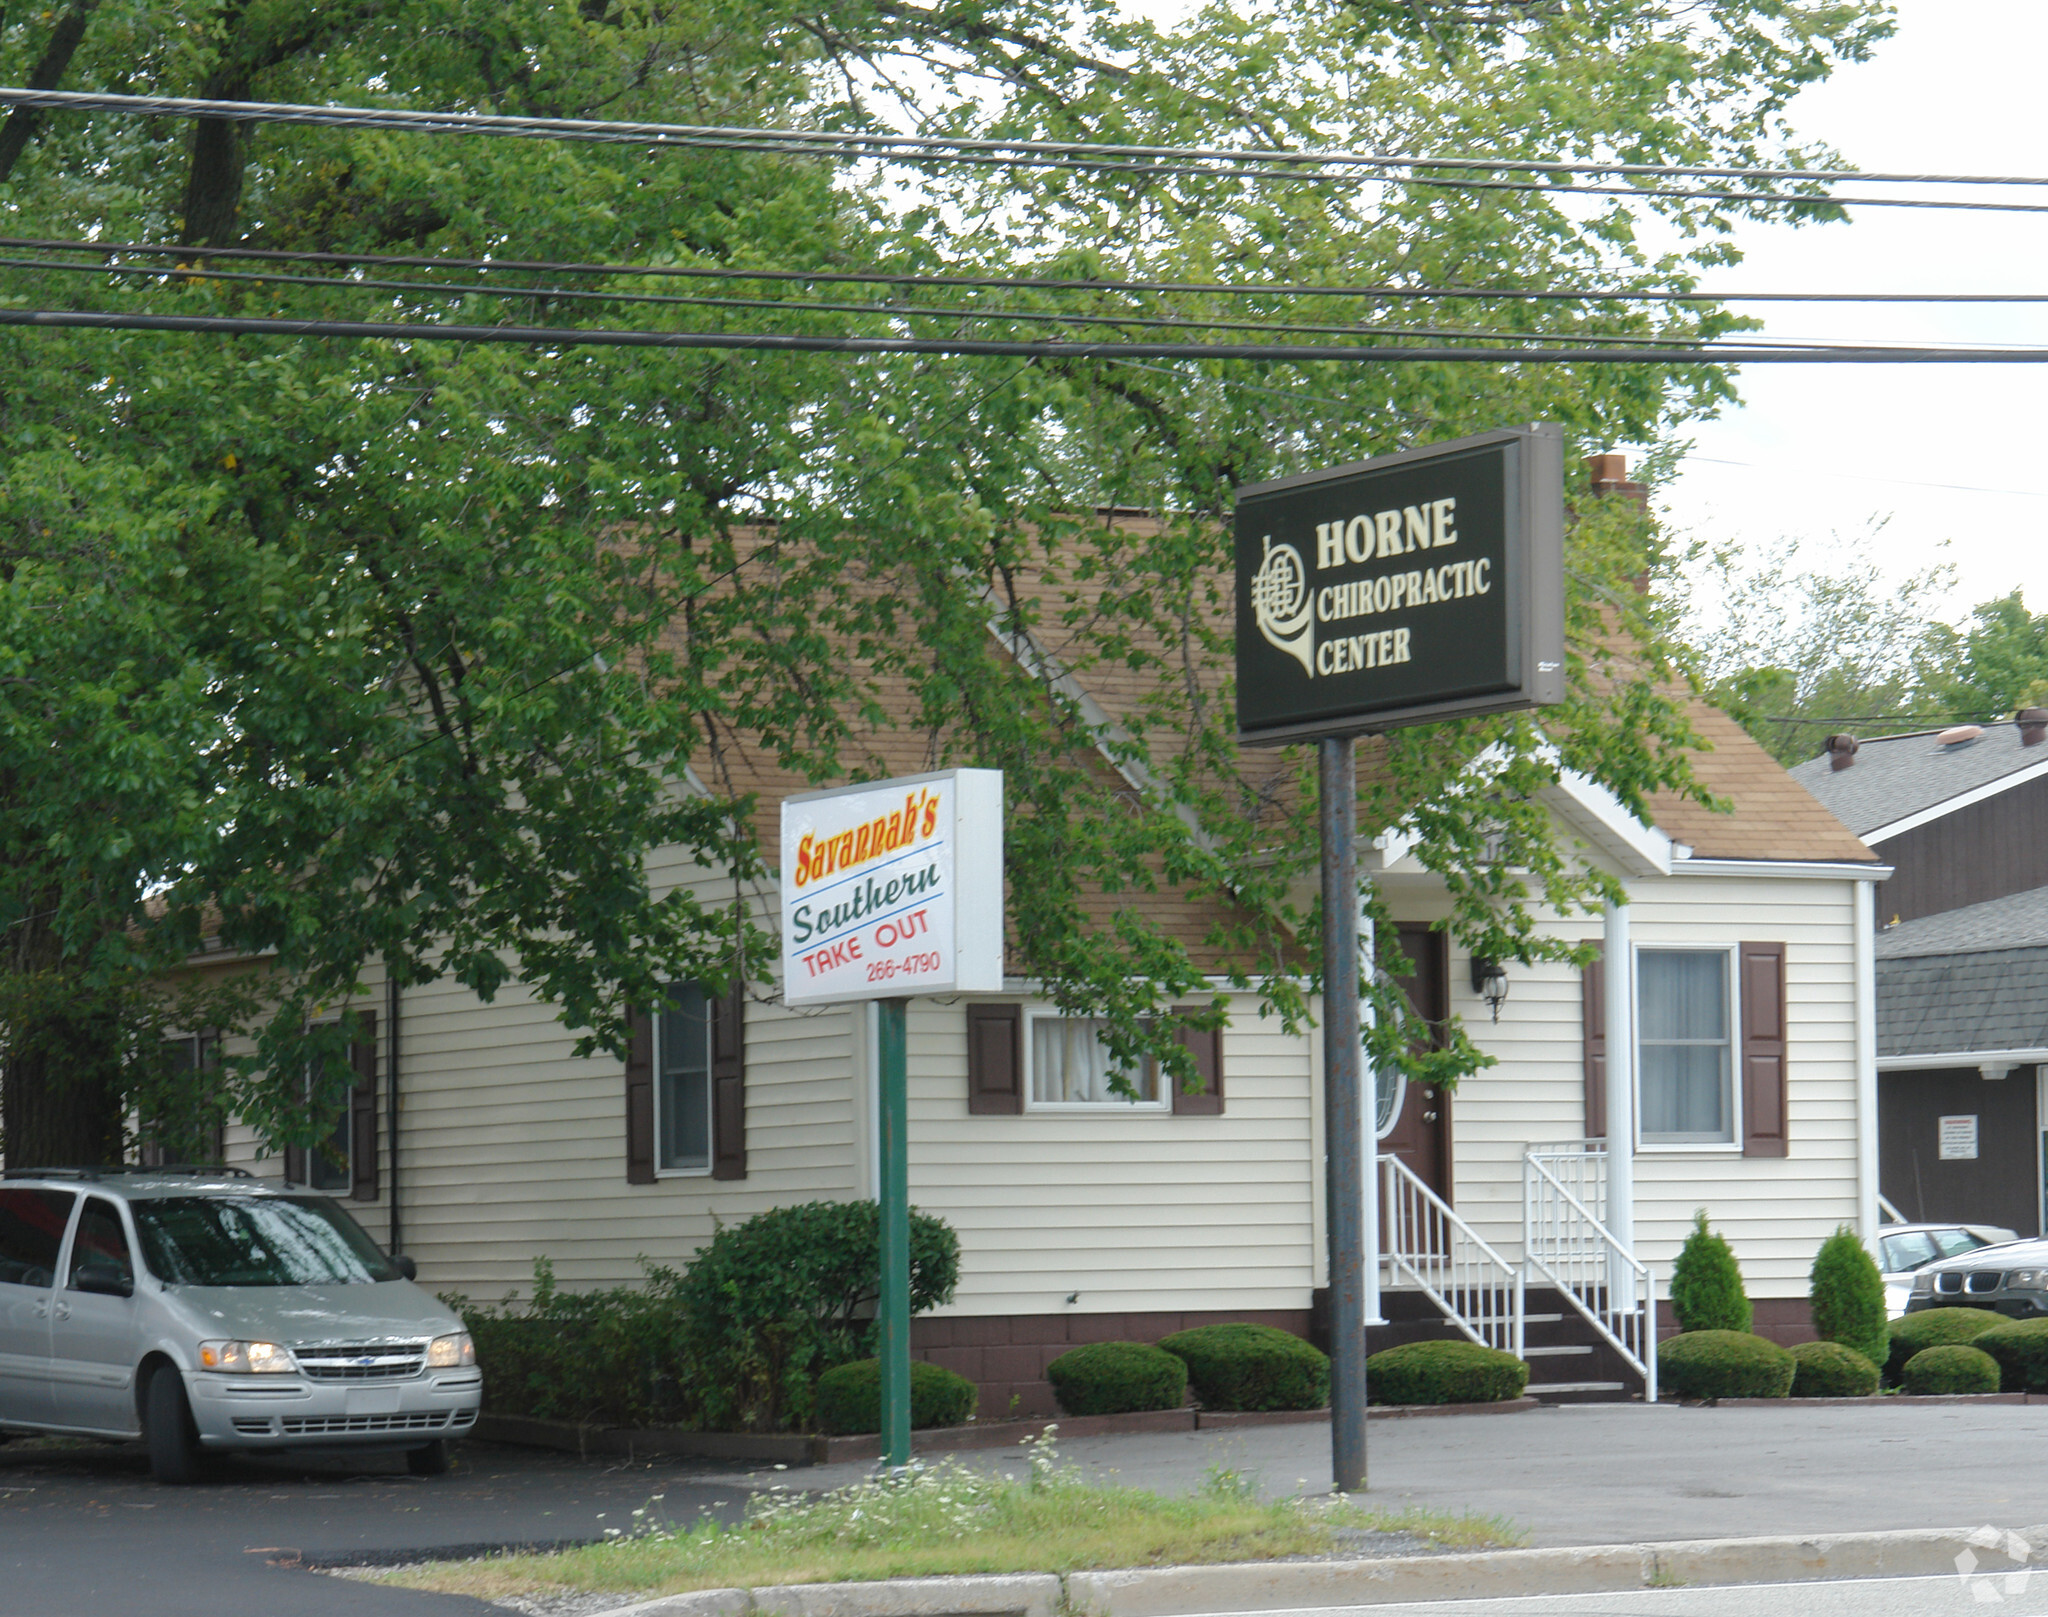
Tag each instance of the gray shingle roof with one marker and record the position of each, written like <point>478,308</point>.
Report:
<point>2016,921</point>
<point>1894,776</point>
<point>1931,1004</point>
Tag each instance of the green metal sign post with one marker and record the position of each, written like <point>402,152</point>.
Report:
<point>895,1200</point>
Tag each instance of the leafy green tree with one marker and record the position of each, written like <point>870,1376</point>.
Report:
<point>1847,1296</point>
<point>1706,1282</point>
<point>325,653</point>
<point>1996,666</point>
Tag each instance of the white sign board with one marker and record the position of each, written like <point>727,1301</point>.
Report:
<point>1959,1139</point>
<point>893,888</point>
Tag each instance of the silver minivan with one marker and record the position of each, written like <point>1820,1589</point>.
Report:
<point>206,1311</point>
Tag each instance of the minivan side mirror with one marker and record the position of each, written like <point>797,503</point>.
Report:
<point>107,1279</point>
<point>405,1266</point>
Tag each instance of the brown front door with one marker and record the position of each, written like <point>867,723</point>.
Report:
<point>1421,1135</point>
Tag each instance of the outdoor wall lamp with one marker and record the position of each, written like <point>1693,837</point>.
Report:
<point>1490,982</point>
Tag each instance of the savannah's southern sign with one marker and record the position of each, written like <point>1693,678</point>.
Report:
<point>1423,585</point>
<point>893,888</point>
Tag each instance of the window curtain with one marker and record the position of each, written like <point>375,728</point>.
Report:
<point>1070,1065</point>
<point>1682,1002</point>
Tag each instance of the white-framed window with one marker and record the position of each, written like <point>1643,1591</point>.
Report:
<point>1686,1018</point>
<point>682,1082</point>
<point>329,1165</point>
<point>1068,1067</point>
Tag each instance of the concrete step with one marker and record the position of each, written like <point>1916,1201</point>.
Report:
<point>1563,1350</point>
<point>1580,1392</point>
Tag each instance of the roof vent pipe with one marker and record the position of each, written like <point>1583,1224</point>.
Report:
<point>2033,723</point>
<point>1841,751</point>
<point>1959,735</point>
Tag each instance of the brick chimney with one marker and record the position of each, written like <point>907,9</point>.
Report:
<point>1610,476</point>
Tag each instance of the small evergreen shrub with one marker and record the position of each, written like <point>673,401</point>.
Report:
<point>1706,1284</point>
<point>849,1397</point>
<point>1831,1370</point>
<point>1443,1373</point>
<point>1724,1364</point>
<point>1934,1327</point>
<point>1245,1366</point>
<point>1114,1378</point>
<point>770,1303</point>
<point>2021,1348</point>
<point>1956,1368</point>
<point>1848,1296</point>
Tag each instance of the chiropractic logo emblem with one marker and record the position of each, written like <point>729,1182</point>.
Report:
<point>1990,1587</point>
<point>1283,606</point>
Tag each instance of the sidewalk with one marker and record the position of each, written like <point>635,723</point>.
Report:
<point>1624,1473</point>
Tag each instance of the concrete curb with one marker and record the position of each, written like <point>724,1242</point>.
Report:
<point>1270,1586</point>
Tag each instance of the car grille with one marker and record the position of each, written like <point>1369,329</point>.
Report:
<point>1986,1279</point>
<point>425,1420</point>
<point>379,1361</point>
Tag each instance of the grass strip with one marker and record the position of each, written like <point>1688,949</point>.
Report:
<point>946,1518</point>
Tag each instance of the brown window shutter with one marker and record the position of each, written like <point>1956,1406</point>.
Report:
<point>295,1164</point>
<point>1764,1132</point>
<point>1593,1007</point>
<point>995,1060</point>
<point>729,1084</point>
<point>640,1099</point>
<point>362,1111</point>
<point>1207,1049</point>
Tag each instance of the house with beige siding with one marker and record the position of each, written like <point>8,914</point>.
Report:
<point>478,1141</point>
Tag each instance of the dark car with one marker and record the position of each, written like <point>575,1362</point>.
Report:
<point>2011,1279</point>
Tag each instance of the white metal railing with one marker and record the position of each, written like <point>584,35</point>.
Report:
<point>1565,1240</point>
<point>1885,1207</point>
<point>1430,1246</point>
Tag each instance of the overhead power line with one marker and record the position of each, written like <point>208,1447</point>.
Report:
<point>790,342</point>
<point>1256,163</point>
<point>1021,283</point>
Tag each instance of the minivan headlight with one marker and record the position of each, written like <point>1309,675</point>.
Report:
<point>247,1358</point>
<point>449,1352</point>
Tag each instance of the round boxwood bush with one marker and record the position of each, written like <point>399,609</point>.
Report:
<point>1706,1285</point>
<point>1934,1327</point>
<point>1246,1366</point>
<point>849,1397</point>
<point>2021,1348</point>
<point>1443,1373</point>
<point>1111,1378</point>
<point>1724,1364</point>
<point>1830,1370</point>
<point>1955,1368</point>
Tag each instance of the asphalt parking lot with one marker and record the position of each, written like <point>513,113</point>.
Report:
<point>83,1528</point>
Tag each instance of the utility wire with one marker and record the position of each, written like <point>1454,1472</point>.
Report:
<point>926,148</point>
<point>1001,282</point>
<point>813,306</point>
<point>787,342</point>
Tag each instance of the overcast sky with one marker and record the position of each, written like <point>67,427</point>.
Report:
<point>1934,453</point>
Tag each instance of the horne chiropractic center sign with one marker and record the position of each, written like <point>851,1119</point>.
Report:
<point>1423,585</point>
<point>893,888</point>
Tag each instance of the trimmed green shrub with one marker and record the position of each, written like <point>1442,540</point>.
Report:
<point>1443,1373</point>
<point>1724,1364</point>
<point>1706,1284</point>
<point>1957,1367</point>
<point>770,1303</point>
<point>2021,1348</point>
<point>849,1397</point>
<point>1848,1296</point>
<point>1831,1370</point>
<point>1246,1366</point>
<point>1934,1327</point>
<point>1113,1378</point>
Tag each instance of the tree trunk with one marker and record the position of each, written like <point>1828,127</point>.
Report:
<point>23,122</point>
<point>60,1093</point>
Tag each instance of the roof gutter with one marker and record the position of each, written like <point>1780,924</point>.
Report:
<point>1807,869</point>
<point>2001,1060</point>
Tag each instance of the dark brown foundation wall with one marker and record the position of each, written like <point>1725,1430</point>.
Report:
<point>1005,1355</point>
<point>1788,1321</point>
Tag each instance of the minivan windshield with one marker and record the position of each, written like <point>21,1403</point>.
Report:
<point>256,1241</point>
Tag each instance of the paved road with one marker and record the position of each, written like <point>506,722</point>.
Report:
<point>1863,1597</point>
<point>84,1529</point>
<point>1618,1473</point>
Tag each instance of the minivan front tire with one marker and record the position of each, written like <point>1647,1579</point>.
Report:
<point>174,1454</point>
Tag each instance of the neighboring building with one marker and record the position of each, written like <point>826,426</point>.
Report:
<point>1962,816</point>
